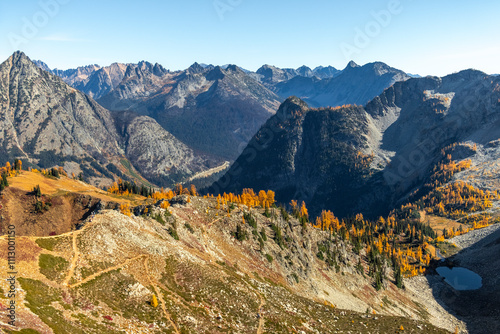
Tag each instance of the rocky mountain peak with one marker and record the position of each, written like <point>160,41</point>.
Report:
<point>19,67</point>
<point>233,68</point>
<point>147,67</point>
<point>305,71</point>
<point>351,64</point>
<point>42,65</point>
<point>19,55</point>
<point>292,107</point>
<point>469,74</point>
<point>380,68</point>
<point>159,70</point>
<point>129,71</point>
<point>216,74</point>
<point>19,59</point>
<point>272,74</point>
<point>266,70</point>
<point>325,72</point>
<point>195,68</point>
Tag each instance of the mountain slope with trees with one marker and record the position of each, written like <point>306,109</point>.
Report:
<point>47,123</point>
<point>189,264</point>
<point>370,159</point>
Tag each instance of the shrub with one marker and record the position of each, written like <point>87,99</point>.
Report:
<point>189,227</point>
<point>158,217</point>
<point>263,234</point>
<point>173,232</point>
<point>41,206</point>
<point>278,237</point>
<point>240,234</point>
<point>250,219</point>
<point>284,214</point>
<point>154,301</point>
<point>36,191</point>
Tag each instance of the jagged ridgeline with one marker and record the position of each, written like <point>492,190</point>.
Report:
<point>369,159</point>
<point>305,153</point>
<point>47,123</point>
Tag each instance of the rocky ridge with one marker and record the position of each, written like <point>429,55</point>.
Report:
<point>204,279</point>
<point>48,123</point>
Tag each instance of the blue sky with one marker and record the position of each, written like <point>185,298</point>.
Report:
<point>424,37</point>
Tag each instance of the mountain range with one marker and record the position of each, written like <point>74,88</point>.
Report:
<point>48,123</point>
<point>333,213</point>
<point>368,150</point>
<point>210,112</point>
<point>369,159</point>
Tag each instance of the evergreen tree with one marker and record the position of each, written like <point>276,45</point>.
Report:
<point>378,280</point>
<point>240,233</point>
<point>398,276</point>
<point>4,180</point>
<point>18,165</point>
<point>37,191</point>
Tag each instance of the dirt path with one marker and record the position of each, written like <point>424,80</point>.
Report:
<point>76,255</point>
<point>76,252</point>
<point>261,314</point>
<point>160,296</point>
<point>213,222</point>
<point>93,276</point>
<point>204,233</point>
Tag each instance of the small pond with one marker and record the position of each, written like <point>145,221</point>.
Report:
<point>460,278</point>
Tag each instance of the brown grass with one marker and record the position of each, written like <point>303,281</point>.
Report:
<point>69,201</point>
<point>26,249</point>
<point>439,223</point>
<point>51,186</point>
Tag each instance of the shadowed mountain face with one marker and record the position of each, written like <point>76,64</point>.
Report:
<point>307,154</point>
<point>355,159</point>
<point>354,85</point>
<point>213,110</point>
<point>216,110</point>
<point>47,123</point>
<point>479,309</point>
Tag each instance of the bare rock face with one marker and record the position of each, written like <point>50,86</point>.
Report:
<point>161,157</point>
<point>41,113</point>
<point>49,123</point>
<point>213,110</point>
<point>93,80</point>
<point>270,75</point>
